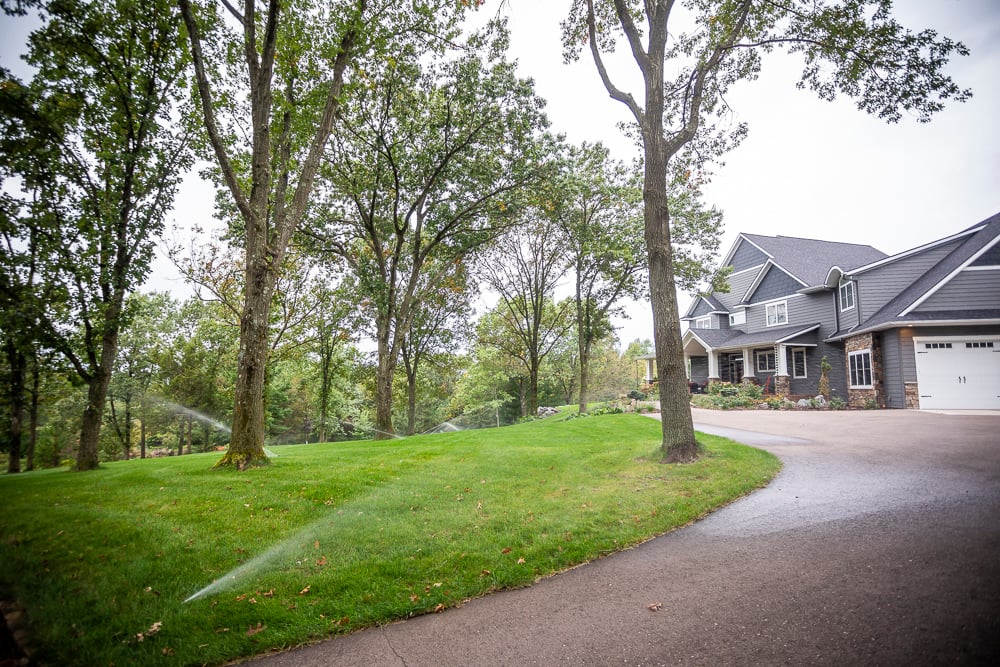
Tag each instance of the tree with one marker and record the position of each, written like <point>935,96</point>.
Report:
<point>599,208</point>
<point>100,162</point>
<point>428,166</point>
<point>292,67</point>
<point>135,367</point>
<point>852,47</point>
<point>437,326</point>
<point>523,267</point>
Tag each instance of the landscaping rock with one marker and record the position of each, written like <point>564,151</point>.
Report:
<point>803,403</point>
<point>546,412</point>
<point>820,401</point>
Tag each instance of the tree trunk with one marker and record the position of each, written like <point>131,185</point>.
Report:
<point>246,443</point>
<point>90,431</point>
<point>142,435</point>
<point>33,435</point>
<point>383,399</point>
<point>326,362</point>
<point>383,379</point>
<point>127,440</point>
<point>532,406</point>
<point>99,381</point>
<point>180,437</point>
<point>679,444</point>
<point>17,367</point>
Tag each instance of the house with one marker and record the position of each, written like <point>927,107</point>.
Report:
<point>919,329</point>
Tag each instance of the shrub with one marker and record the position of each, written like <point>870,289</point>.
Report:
<point>837,403</point>
<point>726,396</point>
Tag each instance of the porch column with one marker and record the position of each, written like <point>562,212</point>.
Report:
<point>649,370</point>
<point>713,366</point>
<point>782,382</point>
<point>748,363</point>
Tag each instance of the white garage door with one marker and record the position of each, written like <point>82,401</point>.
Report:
<point>958,373</point>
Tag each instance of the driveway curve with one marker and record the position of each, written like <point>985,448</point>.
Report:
<point>877,544</point>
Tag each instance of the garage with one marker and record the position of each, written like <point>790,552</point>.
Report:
<point>958,373</point>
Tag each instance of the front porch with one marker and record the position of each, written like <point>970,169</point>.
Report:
<point>777,359</point>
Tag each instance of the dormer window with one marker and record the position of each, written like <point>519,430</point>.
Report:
<point>846,295</point>
<point>703,323</point>
<point>737,318</point>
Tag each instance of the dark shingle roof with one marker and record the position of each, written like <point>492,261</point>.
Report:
<point>719,338</point>
<point>892,311</point>
<point>810,260</point>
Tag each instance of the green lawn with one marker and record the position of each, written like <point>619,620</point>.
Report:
<point>335,537</point>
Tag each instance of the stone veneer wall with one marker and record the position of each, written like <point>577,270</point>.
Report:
<point>912,396</point>
<point>860,398</point>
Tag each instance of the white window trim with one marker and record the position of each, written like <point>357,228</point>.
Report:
<point>763,353</point>
<point>844,284</point>
<point>738,318</point>
<point>767,316</point>
<point>805,368</point>
<point>871,368</point>
<point>707,321</point>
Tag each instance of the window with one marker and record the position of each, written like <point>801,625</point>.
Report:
<point>979,345</point>
<point>861,369</point>
<point>703,323</point>
<point>738,318</point>
<point>847,295</point>
<point>938,346</point>
<point>777,313</point>
<point>799,362</point>
<point>765,361</point>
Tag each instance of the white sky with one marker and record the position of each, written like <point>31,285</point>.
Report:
<point>808,168</point>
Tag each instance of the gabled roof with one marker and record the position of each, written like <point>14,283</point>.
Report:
<point>905,307</point>
<point>810,260</point>
<point>709,299</point>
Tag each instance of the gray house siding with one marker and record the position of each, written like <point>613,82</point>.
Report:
<point>809,385</point>
<point>739,283</point>
<point>699,369</point>
<point>968,290</point>
<point>847,318</point>
<point>746,256</point>
<point>879,286</point>
<point>802,309</point>
<point>892,368</point>
<point>775,284</point>
<point>990,258</point>
<point>702,309</point>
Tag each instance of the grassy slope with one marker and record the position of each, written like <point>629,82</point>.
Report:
<point>332,538</point>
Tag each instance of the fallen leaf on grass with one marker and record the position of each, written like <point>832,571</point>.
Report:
<point>305,590</point>
<point>322,561</point>
<point>269,594</point>
<point>655,606</point>
<point>153,629</point>
<point>167,651</point>
<point>252,630</point>
<point>520,561</point>
<point>439,608</point>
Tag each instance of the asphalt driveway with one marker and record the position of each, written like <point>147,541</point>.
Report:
<point>878,544</point>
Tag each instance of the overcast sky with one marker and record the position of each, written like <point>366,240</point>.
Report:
<point>812,168</point>
<point>808,168</point>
